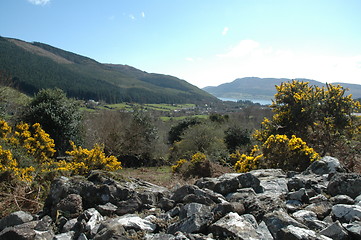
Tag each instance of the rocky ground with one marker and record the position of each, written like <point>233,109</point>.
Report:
<point>324,202</point>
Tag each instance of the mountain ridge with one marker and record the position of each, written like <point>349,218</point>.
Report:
<point>264,88</point>
<point>33,66</point>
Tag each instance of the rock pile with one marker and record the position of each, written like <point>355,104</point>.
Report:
<point>324,202</point>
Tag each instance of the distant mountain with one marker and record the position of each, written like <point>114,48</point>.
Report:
<point>33,66</point>
<point>264,88</point>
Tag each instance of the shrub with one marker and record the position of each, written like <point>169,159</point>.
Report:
<point>289,154</point>
<point>235,138</point>
<point>58,115</point>
<point>322,117</point>
<point>84,160</point>
<point>198,166</point>
<point>244,163</point>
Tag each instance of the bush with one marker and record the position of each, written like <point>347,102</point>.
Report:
<point>198,166</point>
<point>235,138</point>
<point>244,163</point>
<point>58,115</point>
<point>205,138</point>
<point>289,154</point>
<point>322,117</point>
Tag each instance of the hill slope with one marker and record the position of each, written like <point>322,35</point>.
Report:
<point>264,88</point>
<point>34,66</point>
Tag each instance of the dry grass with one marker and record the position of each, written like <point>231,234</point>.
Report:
<point>163,176</point>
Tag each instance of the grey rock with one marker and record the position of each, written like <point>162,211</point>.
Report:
<point>342,199</point>
<point>166,204</point>
<point>44,224</point>
<point>192,224</point>
<point>354,229</point>
<point>299,195</point>
<point>346,213</point>
<point>230,182</point>
<point>233,226</point>
<point>93,219</point>
<point>131,221</point>
<point>131,205</point>
<point>296,183</point>
<point>69,225</point>
<point>70,206</point>
<point>107,209</point>
<point>222,209</point>
<point>309,219</point>
<point>326,165</point>
<point>250,200</point>
<point>297,233</point>
<point>15,218</point>
<point>322,209</point>
<point>193,209</point>
<point>277,220</point>
<point>159,236</point>
<point>335,231</point>
<point>65,236</point>
<point>110,230</point>
<point>358,200</point>
<point>345,184</point>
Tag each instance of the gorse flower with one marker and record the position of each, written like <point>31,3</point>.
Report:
<point>34,142</point>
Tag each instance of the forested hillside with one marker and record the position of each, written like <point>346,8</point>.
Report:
<point>33,66</point>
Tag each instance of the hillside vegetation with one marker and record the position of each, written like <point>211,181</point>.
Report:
<point>264,88</point>
<point>34,66</point>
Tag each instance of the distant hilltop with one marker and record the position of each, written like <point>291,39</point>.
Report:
<point>264,88</point>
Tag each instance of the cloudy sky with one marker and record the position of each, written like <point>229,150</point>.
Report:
<point>205,42</point>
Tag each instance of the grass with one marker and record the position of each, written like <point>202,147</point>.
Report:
<point>161,176</point>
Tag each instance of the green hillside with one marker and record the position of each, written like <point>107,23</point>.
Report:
<point>264,88</point>
<point>34,66</point>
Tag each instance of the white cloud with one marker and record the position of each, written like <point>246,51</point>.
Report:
<point>250,58</point>
<point>142,14</point>
<point>189,59</point>
<point>225,31</point>
<point>131,16</point>
<point>39,2</point>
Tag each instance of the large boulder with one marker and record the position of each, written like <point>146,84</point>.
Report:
<point>15,218</point>
<point>346,213</point>
<point>326,165</point>
<point>234,226</point>
<point>345,184</point>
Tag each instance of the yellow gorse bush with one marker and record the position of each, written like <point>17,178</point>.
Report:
<point>246,163</point>
<point>34,142</point>
<point>176,168</point>
<point>290,154</point>
<point>84,160</point>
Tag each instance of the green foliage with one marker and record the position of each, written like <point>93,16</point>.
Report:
<point>218,118</point>
<point>235,138</point>
<point>58,115</point>
<point>205,138</point>
<point>84,78</point>
<point>176,131</point>
<point>132,137</point>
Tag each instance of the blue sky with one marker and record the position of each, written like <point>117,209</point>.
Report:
<point>205,42</point>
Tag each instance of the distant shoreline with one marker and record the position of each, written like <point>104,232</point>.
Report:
<point>260,101</point>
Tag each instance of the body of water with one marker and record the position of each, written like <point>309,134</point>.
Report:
<point>260,101</point>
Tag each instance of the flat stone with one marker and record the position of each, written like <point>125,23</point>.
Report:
<point>15,218</point>
<point>346,213</point>
<point>335,231</point>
